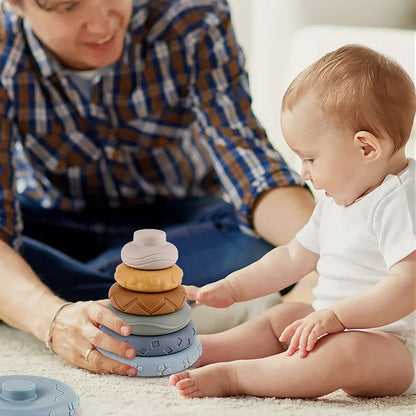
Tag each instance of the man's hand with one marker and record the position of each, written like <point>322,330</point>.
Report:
<point>305,332</point>
<point>76,333</point>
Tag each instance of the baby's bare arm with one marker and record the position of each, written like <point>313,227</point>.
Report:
<point>276,270</point>
<point>388,301</point>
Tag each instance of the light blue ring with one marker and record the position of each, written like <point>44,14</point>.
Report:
<point>161,365</point>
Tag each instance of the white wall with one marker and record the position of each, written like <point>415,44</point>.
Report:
<point>267,29</point>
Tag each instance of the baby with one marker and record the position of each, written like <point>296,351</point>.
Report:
<point>348,117</point>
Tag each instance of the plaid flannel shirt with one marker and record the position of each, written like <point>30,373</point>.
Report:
<point>172,118</point>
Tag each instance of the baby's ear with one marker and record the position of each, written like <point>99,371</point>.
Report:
<point>368,145</point>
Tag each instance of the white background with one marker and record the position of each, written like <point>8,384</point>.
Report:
<point>278,41</point>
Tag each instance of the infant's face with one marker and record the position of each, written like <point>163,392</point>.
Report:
<point>330,160</point>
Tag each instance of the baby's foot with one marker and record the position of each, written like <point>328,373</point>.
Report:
<point>214,380</point>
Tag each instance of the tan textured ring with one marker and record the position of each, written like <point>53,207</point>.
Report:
<point>148,280</point>
<point>139,303</point>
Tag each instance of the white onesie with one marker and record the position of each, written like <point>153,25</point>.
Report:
<point>359,243</point>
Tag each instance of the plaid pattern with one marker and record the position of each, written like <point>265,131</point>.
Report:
<point>171,119</point>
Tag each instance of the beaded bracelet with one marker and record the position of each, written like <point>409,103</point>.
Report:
<point>48,338</point>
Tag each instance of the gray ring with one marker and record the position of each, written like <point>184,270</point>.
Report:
<point>155,324</point>
<point>150,346</point>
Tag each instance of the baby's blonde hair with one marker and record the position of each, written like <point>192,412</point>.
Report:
<point>360,89</point>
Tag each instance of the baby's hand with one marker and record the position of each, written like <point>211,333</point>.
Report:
<point>217,295</point>
<point>305,332</point>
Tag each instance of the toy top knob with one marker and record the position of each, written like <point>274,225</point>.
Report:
<point>149,250</point>
<point>18,390</point>
<point>149,237</point>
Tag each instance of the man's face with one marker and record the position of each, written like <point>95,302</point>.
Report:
<point>83,34</point>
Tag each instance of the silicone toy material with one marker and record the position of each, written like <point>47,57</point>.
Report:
<point>162,365</point>
<point>140,303</point>
<point>157,324</point>
<point>149,250</point>
<point>22,395</point>
<point>148,280</point>
<point>147,346</point>
<point>149,297</point>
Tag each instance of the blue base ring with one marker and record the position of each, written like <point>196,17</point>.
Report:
<point>161,365</point>
<point>36,396</point>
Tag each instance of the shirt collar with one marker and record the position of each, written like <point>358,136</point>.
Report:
<point>38,51</point>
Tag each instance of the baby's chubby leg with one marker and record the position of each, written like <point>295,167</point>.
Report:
<point>256,338</point>
<point>253,339</point>
<point>360,363</point>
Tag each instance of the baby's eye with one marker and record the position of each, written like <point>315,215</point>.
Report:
<point>308,160</point>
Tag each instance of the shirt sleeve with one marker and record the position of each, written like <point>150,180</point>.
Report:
<point>245,162</point>
<point>308,235</point>
<point>9,225</point>
<point>394,223</point>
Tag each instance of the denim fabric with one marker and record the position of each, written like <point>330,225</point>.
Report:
<point>76,254</point>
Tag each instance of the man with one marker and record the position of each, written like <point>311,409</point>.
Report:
<point>117,116</point>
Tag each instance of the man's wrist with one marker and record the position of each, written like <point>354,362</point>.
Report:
<point>49,332</point>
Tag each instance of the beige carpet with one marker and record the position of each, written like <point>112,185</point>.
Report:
<point>21,353</point>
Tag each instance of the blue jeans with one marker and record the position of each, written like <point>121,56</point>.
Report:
<point>76,254</point>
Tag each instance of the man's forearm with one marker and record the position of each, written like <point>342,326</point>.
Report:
<point>25,302</point>
<point>281,212</point>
